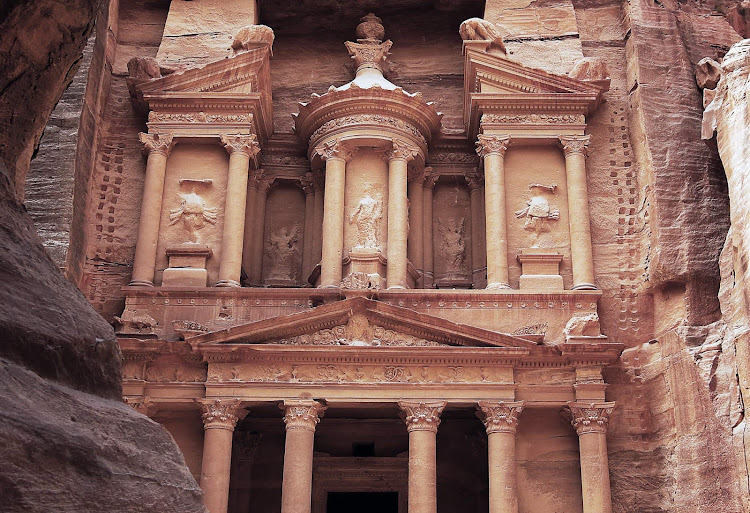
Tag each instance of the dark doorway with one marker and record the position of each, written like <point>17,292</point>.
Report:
<point>362,502</point>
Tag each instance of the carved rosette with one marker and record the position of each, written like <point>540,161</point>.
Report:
<point>247,144</point>
<point>499,416</point>
<point>590,417</point>
<point>575,144</point>
<point>492,145</point>
<point>422,416</point>
<point>219,413</point>
<point>302,414</point>
<point>401,150</point>
<point>335,150</point>
<point>157,143</point>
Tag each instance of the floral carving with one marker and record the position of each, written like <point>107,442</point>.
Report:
<point>499,416</point>
<point>401,150</point>
<point>302,414</point>
<point>422,416</point>
<point>335,150</point>
<point>219,413</point>
<point>358,119</point>
<point>247,144</point>
<point>157,143</point>
<point>199,117</point>
<point>492,145</point>
<point>575,144</point>
<point>590,417</point>
<point>528,119</point>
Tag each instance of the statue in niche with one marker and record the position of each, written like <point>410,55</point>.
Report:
<point>538,212</point>
<point>367,217</point>
<point>193,213</point>
<point>283,252</point>
<point>453,245</point>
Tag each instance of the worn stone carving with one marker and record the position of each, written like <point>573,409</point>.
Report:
<point>247,144</point>
<point>186,329</point>
<point>359,119</point>
<point>198,117</point>
<point>219,413</point>
<point>538,212</point>
<point>357,331</point>
<point>144,68</point>
<point>369,51</point>
<point>534,119</point>
<point>335,150</point>
<point>302,414</point>
<point>453,245</point>
<point>575,144</point>
<point>359,280</point>
<point>132,322</point>
<point>401,150</point>
<point>193,213</point>
<point>590,417</point>
<point>283,252</point>
<point>367,218</point>
<point>252,36</point>
<point>422,416</point>
<point>590,69</point>
<point>533,329</point>
<point>143,405</point>
<point>583,326</point>
<point>492,145</point>
<point>499,416</point>
<point>477,29</point>
<point>159,143</point>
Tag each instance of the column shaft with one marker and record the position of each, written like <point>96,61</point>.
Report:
<point>397,223</point>
<point>307,248</point>
<point>422,421</point>
<point>333,223</point>
<point>144,264</point>
<point>428,274</point>
<point>416,242</point>
<point>581,255</point>
<point>318,226</point>
<point>248,249</point>
<point>219,419</point>
<point>478,252</point>
<point>255,274</point>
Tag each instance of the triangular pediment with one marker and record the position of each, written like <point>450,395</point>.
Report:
<point>360,322</point>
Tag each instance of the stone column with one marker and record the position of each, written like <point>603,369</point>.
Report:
<point>318,219</point>
<point>478,252</point>
<point>590,421</point>
<point>492,149</point>
<point>241,149</point>
<point>248,251</point>
<point>416,229</point>
<point>428,271</point>
<point>574,147</point>
<point>336,155</point>
<point>501,420</point>
<point>158,147</point>
<point>398,212</point>
<point>219,419</point>
<point>308,188</point>
<point>255,274</point>
<point>422,421</point>
<point>300,418</point>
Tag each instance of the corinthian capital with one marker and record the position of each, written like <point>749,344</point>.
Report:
<point>422,416</point>
<point>220,413</point>
<point>157,143</point>
<point>590,417</point>
<point>335,150</point>
<point>302,414</point>
<point>575,144</point>
<point>236,143</point>
<point>499,416</point>
<point>474,179</point>
<point>143,405</point>
<point>401,150</point>
<point>492,145</point>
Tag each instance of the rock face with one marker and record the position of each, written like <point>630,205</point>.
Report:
<point>67,436</point>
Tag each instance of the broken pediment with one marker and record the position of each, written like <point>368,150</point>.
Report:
<point>360,322</point>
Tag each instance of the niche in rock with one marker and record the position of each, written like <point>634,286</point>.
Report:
<point>283,236</point>
<point>451,223</point>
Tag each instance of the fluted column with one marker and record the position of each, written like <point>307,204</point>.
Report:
<point>398,212</point>
<point>428,273</point>
<point>422,421</point>
<point>492,149</point>
<point>158,147</point>
<point>255,275</point>
<point>501,421</point>
<point>336,154</point>
<point>590,421</point>
<point>574,147</point>
<point>478,252</point>
<point>219,420</point>
<point>416,231</point>
<point>307,183</point>
<point>300,418</point>
<point>241,149</point>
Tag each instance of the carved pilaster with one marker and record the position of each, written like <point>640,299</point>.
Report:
<point>220,413</point>
<point>422,416</point>
<point>157,143</point>
<point>499,416</point>
<point>590,417</point>
<point>143,405</point>
<point>307,182</point>
<point>430,178</point>
<point>302,414</point>
<point>572,144</point>
<point>402,151</point>
<point>335,150</point>
<point>246,144</point>
<point>492,145</point>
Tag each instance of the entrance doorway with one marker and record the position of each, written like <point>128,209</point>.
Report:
<point>362,502</point>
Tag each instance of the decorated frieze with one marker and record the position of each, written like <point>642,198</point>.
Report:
<point>534,119</point>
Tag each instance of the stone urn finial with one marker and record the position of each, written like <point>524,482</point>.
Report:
<point>371,29</point>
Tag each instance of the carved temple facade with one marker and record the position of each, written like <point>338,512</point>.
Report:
<point>320,320</point>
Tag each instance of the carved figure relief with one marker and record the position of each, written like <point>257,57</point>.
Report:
<point>193,212</point>
<point>366,217</point>
<point>538,212</point>
<point>283,250</point>
<point>453,245</point>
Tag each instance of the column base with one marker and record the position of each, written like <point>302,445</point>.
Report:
<point>141,283</point>
<point>585,286</point>
<point>497,286</point>
<point>227,283</point>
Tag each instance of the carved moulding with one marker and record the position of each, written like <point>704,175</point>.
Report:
<point>302,414</point>
<point>220,413</point>
<point>423,415</point>
<point>499,416</point>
